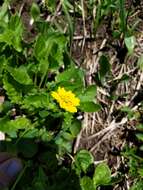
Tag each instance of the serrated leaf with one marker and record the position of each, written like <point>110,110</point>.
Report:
<point>7,128</point>
<point>89,107</point>
<point>40,100</point>
<point>83,160</point>
<point>20,75</point>
<point>102,175</point>
<point>14,95</point>
<point>11,127</point>
<point>87,183</point>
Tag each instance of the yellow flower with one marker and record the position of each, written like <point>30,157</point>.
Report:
<point>66,99</point>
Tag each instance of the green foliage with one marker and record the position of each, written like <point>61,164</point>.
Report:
<point>87,183</point>
<point>103,8</point>
<point>138,185</point>
<point>12,33</point>
<point>90,107</point>
<point>20,75</point>
<point>83,160</point>
<point>35,11</point>
<point>104,67</point>
<point>123,25</point>
<point>37,128</point>
<point>102,175</point>
<point>140,62</point>
<point>130,43</point>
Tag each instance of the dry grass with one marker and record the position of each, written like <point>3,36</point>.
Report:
<point>104,131</point>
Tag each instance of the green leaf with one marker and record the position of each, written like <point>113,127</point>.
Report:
<point>12,35</point>
<point>104,67</point>
<point>139,126</point>
<point>89,107</point>
<point>3,62</point>
<point>83,160</point>
<point>139,136</point>
<point>20,75</point>
<point>40,47</point>
<point>68,74</point>
<point>87,183</point>
<point>28,148</point>
<point>88,94</point>
<point>75,128</point>
<point>14,95</point>
<point>35,11</point>
<point>140,62</point>
<point>130,43</point>
<point>140,171</point>
<point>43,113</point>
<point>67,136</point>
<point>138,185</point>
<point>40,100</point>
<point>7,128</point>
<point>51,47</point>
<point>43,66</point>
<point>51,5</point>
<point>72,79</point>
<point>20,123</point>
<point>4,11</point>
<point>102,175</point>
<point>31,133</point>
<point>11,127</point>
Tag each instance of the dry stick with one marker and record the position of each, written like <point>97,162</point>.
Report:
<point>85,123</point>
<point>108,133</point>
<point>110,112</point>
<point>100,161</point>
<point>84,25</point>
<point>121,75</point>
<point>93,122</point>
<point>81,37</point>
<point>77,142</point>
<point>103,138</point>
<point>113,125</point>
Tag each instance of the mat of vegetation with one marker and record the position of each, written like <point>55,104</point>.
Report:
<point>71,91</point>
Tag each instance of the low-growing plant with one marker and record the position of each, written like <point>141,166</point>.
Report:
<point>43,91</point>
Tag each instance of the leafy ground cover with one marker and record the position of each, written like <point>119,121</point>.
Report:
<point>71,93</point>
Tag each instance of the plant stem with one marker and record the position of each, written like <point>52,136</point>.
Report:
<point>122,16</point>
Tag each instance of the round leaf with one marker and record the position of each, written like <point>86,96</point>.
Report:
<point>102,175</point>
